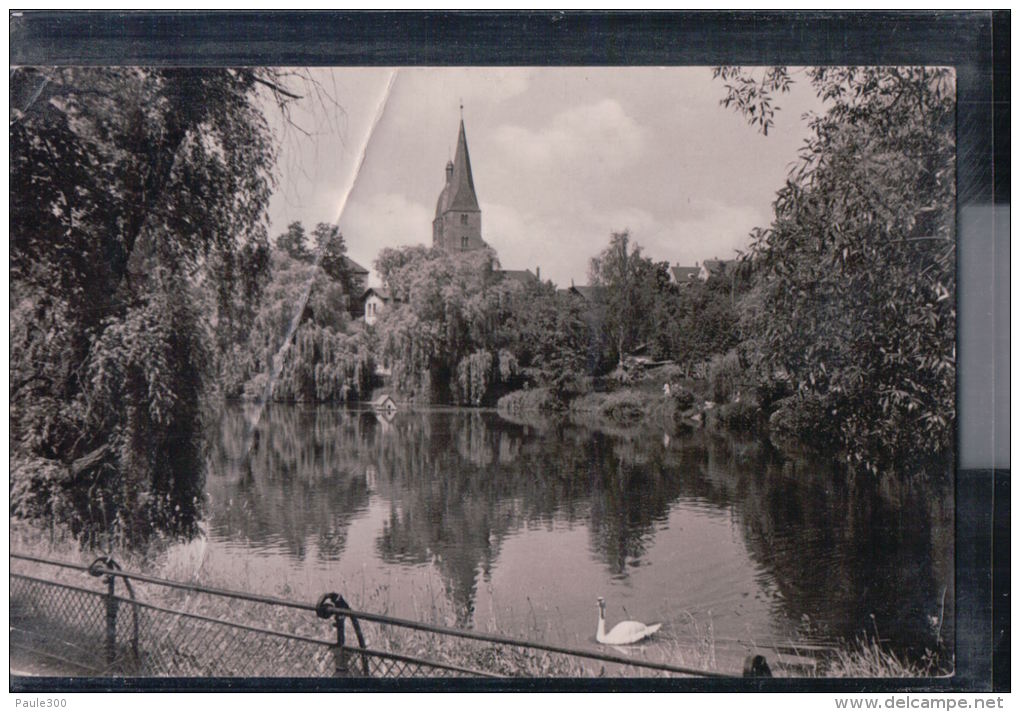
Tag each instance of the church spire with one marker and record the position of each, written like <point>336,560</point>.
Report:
<point>458,221</point>
<point>462,184</point>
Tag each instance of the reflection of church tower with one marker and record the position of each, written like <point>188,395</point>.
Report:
<point>458,221</point>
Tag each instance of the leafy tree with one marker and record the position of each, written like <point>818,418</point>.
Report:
<point>549,337</point>
<point>134,193</point>
<point>390,266</point>
<point>705,325</point>
<point>631,289</point>
<point>855,277</point>
<point>295,242</point>
<point>329,243</point>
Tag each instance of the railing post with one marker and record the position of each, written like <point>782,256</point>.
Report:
<point>756,666</point>
<point>326,608</point>
<point>98,568</point>
<point>111,619</point>
<point>340,654</point>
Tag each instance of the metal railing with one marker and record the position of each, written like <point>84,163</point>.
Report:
<point>86,626</point>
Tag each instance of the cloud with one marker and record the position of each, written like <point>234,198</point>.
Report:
<point>384,220</point>
<point>427,97</point>
<point>563,243</point>
<point>522,240</point>
<point>560,161</point>
<point>704,229</point>
<point>721,233</point>
<point>499,84</point>
<point>599,136</point>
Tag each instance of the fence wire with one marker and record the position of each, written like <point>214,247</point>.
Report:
<point>94,622</point>
<point>57,622</point>
<point>66,625</point>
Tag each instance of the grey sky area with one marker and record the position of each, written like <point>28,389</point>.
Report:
<point>561,158</point>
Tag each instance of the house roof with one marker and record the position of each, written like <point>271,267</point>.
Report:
<point>718,265</point>
<point>459,192</point>
<point>380,292</point>
<point>524,276</point>
<point>587,292</point>
<point>353,266</point>
<point>684,274</point>
<point>381,400</point>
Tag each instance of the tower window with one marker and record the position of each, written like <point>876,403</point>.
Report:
<point>464,242</point>
<point>463,219</point>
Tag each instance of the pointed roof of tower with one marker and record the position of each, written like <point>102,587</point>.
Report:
<point>459,193</point>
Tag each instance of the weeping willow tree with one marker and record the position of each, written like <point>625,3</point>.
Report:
<point>133,191</point>
<point>444,341</point>
<point>323,365</point>
<point>303,345</point>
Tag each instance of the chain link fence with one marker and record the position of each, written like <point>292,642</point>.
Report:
<point>93,622</point>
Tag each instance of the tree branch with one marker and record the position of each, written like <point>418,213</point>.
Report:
<point>86,462</point>
<point>276,88</point>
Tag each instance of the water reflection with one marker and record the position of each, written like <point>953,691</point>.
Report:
<point>453,487</point>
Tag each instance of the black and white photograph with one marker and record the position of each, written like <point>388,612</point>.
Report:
<point>626,372</point>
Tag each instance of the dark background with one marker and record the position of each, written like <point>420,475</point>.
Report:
<point>977,44</point>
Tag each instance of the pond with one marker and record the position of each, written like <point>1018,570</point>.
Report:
<point>517,526</point>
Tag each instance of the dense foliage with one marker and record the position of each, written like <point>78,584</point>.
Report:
<point>705,322</point>
<point>137,200</point>
<point>641,308</point>
<point>439,337</point>
<point>855,278</point>
<point>461,331</point>
<point>303,344</point>
<point>632,288</point>
<point>554,338</point>
<point>142,278</point>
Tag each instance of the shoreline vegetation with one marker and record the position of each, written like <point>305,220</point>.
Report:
<point>839,321</point>
<point>698,648</point>
<point>835,331</point>
<point>659,397</point>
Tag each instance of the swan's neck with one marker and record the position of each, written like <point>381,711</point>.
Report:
<point>601,632</point>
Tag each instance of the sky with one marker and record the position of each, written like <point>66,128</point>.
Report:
<point>561,158</point>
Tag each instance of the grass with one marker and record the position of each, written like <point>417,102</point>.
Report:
<point>623,406</point>
<point>194,649</point>
<point>532,400</point>
<point>182,644</point>
<point>201,648</point>
<point>627,410</point>
<point>867,658</point>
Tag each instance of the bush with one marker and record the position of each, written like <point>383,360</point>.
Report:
<point>588,402</point>
<point>623,406</point>
<point>740,414</point>
<point>533,399</point>
<point>771,390</point>
<point>801,422</point>
<point>683,399</point>
<point>571,385</point>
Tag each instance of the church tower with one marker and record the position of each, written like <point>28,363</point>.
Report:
<point>458,222</point>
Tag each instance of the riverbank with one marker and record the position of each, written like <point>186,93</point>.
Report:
<point>185,562</point>
<point>661,397</point>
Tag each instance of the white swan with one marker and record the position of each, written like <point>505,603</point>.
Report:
<point>625,633</point>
